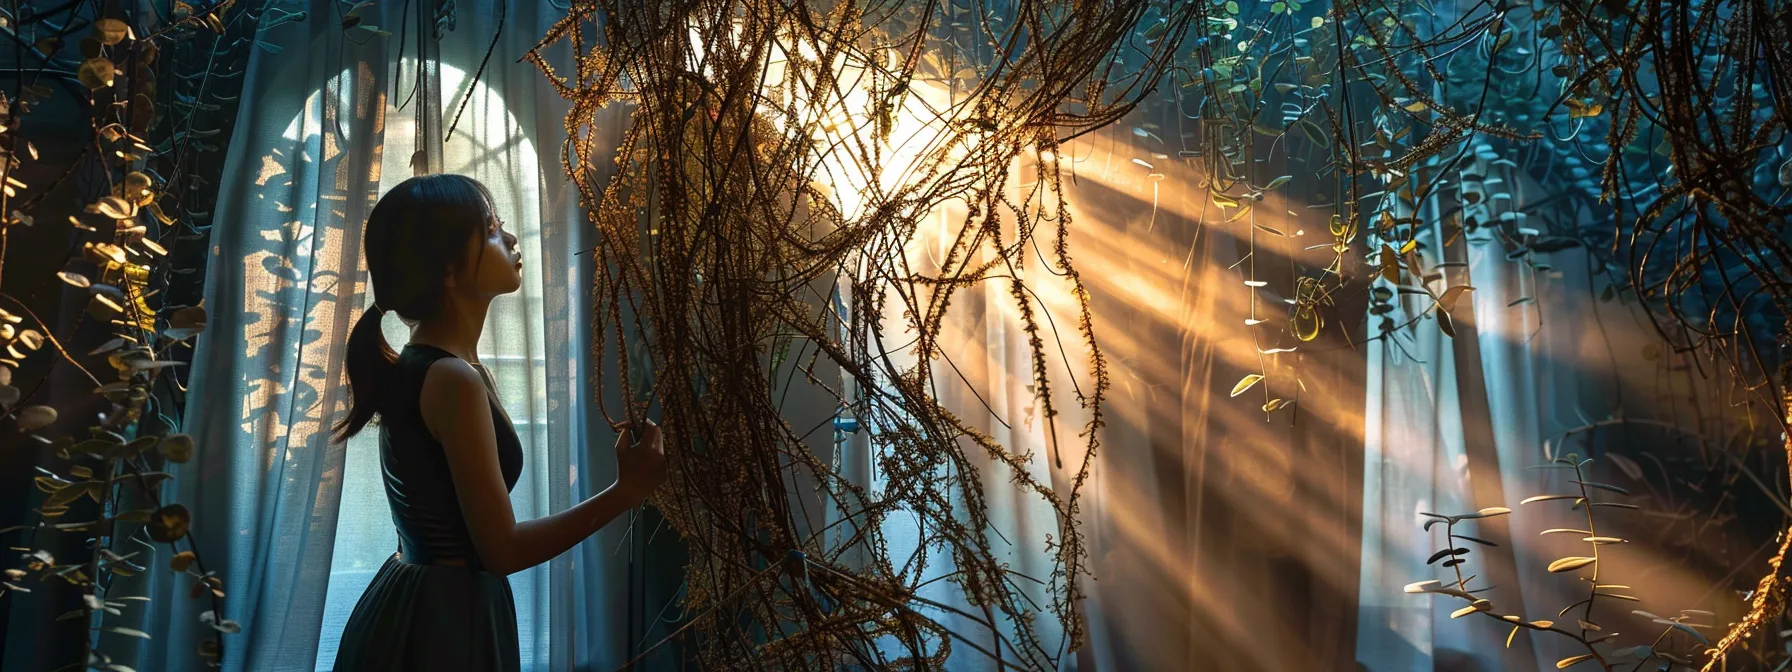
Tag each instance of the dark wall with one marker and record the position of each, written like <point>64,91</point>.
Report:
<point>58,183</point>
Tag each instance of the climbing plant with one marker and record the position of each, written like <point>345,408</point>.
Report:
<point>158,86</point>
<point>1656,123</point>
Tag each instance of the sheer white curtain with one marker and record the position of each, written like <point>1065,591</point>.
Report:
<point>531,340</point>
<point>1416,460</point>
<point>1453,425</point>
<point>267,379</point>
<point>331,119</point>
<point>1220,535</point>
<point>1217,535</point>
<point>987,384</point>
<point>490,146</point>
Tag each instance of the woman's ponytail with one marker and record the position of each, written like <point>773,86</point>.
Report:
<point>369,364</point>
<point>414,237</point>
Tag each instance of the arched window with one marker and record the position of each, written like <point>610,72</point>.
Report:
<point>489,145</point>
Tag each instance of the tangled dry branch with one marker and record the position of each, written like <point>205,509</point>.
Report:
<point>719,242</point>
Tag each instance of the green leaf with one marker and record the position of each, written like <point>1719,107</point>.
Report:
<point>169,523</point>
<point>1488,512</point>
<point>133,447</point>
<point>68,495</point>
<point>1545,498</point>
<point>1570,564</point>
<point>134,516</point>
<point>1423,586</point>
<point>1445,553</point>
<point>131,632</point>
<point>177,447</point>
<point>1246,383</point>
<point>1562,530</point>
<point>1447,300</point>
<point>1565,662</point>
<point>780,351</point>
<point>33,418</point>
<point>1686,629</point>
<point>186,323</point>
<point>288,17</point>
<point>1278,181</point>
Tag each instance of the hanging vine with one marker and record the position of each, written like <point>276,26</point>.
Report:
<point>160,92</point>
<point>1415,119</point>
<point>717,224</point>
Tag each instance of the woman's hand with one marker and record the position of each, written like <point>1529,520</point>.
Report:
<point>456,409</point>
<point>640,461</point>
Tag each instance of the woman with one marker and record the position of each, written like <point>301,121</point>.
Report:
<point>438,256</point>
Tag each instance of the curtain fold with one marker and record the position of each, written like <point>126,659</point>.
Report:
<point>1221,536</point>
<point>596,609</point>
<point>1456,425</point>
<point>503,129</point>
<point>283,290</point>
<point>1419,422</point>
<point>333,117</point>
<point>1218,536</point>
<point>988,385</point>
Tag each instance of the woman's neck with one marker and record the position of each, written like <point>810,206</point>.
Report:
<point>456,330</point>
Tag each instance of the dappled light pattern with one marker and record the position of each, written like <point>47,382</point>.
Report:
<point>337,122</point>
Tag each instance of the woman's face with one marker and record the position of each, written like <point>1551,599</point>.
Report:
<point>494,265</point>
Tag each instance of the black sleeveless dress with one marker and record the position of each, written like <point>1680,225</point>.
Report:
<point>421,613</point>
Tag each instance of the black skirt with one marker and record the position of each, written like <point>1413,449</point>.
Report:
<point>431,617</point>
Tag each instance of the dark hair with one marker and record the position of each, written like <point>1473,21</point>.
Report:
<point>416,235</point>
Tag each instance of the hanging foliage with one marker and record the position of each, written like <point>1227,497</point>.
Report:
<point>777,147</point>
<point>1414,123</point>
<point>154,89</point>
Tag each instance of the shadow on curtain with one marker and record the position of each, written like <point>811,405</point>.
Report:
<point>1541,366</point>
<point>1220,537</point>
<point>293,524</point>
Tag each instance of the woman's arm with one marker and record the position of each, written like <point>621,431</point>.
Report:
<point>456,411</point>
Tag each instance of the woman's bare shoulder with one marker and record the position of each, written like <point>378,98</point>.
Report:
<point>452,390</point>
